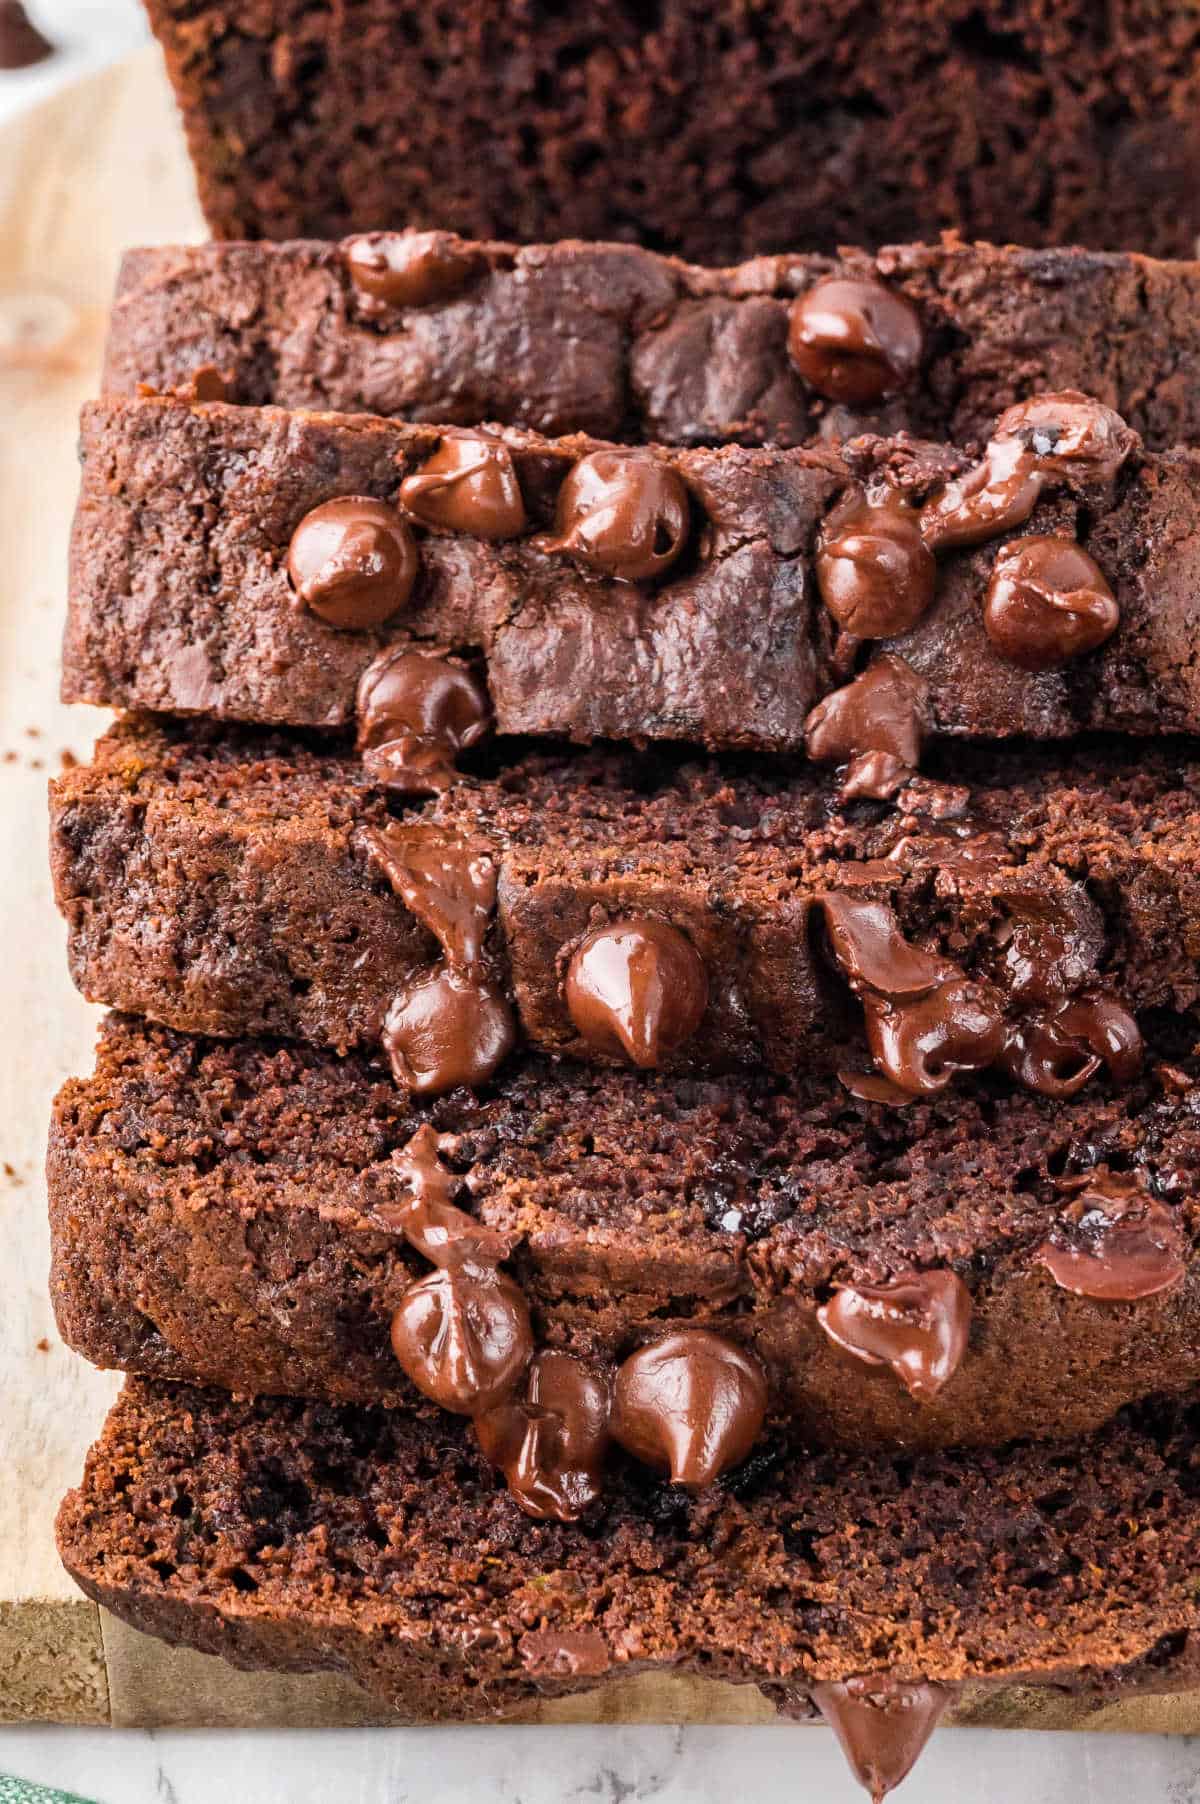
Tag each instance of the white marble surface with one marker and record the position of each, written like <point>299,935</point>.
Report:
<point>541,1766</point>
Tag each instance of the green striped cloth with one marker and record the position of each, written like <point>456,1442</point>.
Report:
<point>21,1791</point>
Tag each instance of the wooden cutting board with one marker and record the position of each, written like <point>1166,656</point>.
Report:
<point>97,168</point>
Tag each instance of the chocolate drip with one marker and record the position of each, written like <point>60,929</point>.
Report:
<point>854,340</point>
<point>637,987</point>
<point>462,1334</point>
<point>623,512</point>
<point>449,883</point>
<point>410,269</point>
<point>551,1446</point>
<point>926,1021</point>
<point>429,1219</point>
<point>416,711</point>
<point>873,727</point>
<point>1115,1243</point>
<point>1057,1051</point>
<point>692,1403</point>
<point>883,1725</point>
<point>1062,438</point>
<point>1047,602</point>
<point>353,561</point>
<point>917,1323</point>
<point>469,485</point>
<point>874,571</point>
<point>452,1025</point>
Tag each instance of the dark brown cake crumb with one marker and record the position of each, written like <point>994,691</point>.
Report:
<point>716,130</point>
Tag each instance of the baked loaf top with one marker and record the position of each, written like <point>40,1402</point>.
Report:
<point>232,1213</point>
<point>639,909</point>
<point>626,344</point>
<point>249,564</point>
<point>695,127</point>
<point>303,1536</point>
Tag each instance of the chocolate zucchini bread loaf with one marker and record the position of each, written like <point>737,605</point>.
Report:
<point>717,131</point>
<point>374,1542</point>
<point>622,343</point>
<point>250,564</point>
<point>233,1213</point>
<point>239,883</point>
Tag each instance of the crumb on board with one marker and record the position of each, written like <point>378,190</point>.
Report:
<point>43,1346</point>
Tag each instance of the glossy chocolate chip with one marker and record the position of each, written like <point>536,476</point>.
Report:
<point>469,485</point>
<point>463,1336</point>
<point>625,513</point>
<point>874,570</point>
<point>353,561</point>
<point>854,340</point>
<point>416,711</point>
<point>692,1404</point>
<point>923,1043</point>
<point>551,1444</point>
<point>998,494</point>
<point>446,1029</point>
<point>637,987</point>
<point>410,269</point>
<point>879,712</point>
<point>883,1725</point>
<point>1047,602</point>
<point>1057,1051</point>
<point>917,1324</point>
<point>1116,1244</point>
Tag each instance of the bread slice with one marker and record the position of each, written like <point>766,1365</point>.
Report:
<point>299,1536</point>
<point>697,127</point>
<point>230,883</point>
<point>181,601</point>
<point>624,343</point>
<point>228,1213</point>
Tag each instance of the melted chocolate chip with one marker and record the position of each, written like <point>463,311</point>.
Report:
<point>883,1725</point>
<point>854,340</point>
<point>447,881</point>
<point>410,269</point>
<point>874,570</point>
<point>923,1043</point>
<point>416,711</point>
<point>1051,942</point>
<point>1057,1051</point>
<point>878,713</point>
<point>995,496</point>
<point>623,512</point>
<point>428,1217</point>
<point>693,1404</point>
<point>637,987</point>
<point>551,1446</point>
<point>872,953</point>
<point>1053,438</point>
<point>446,1029</point>
<point>926,1021</point>
<point>1115,1243</point>
<point>353,561</point>
<point>1070,432</point>
<point>21,43</point>
<point>917,1324</point>
<point>469,485</point>
<point>1047,602</point>
<point>462,1335</point>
